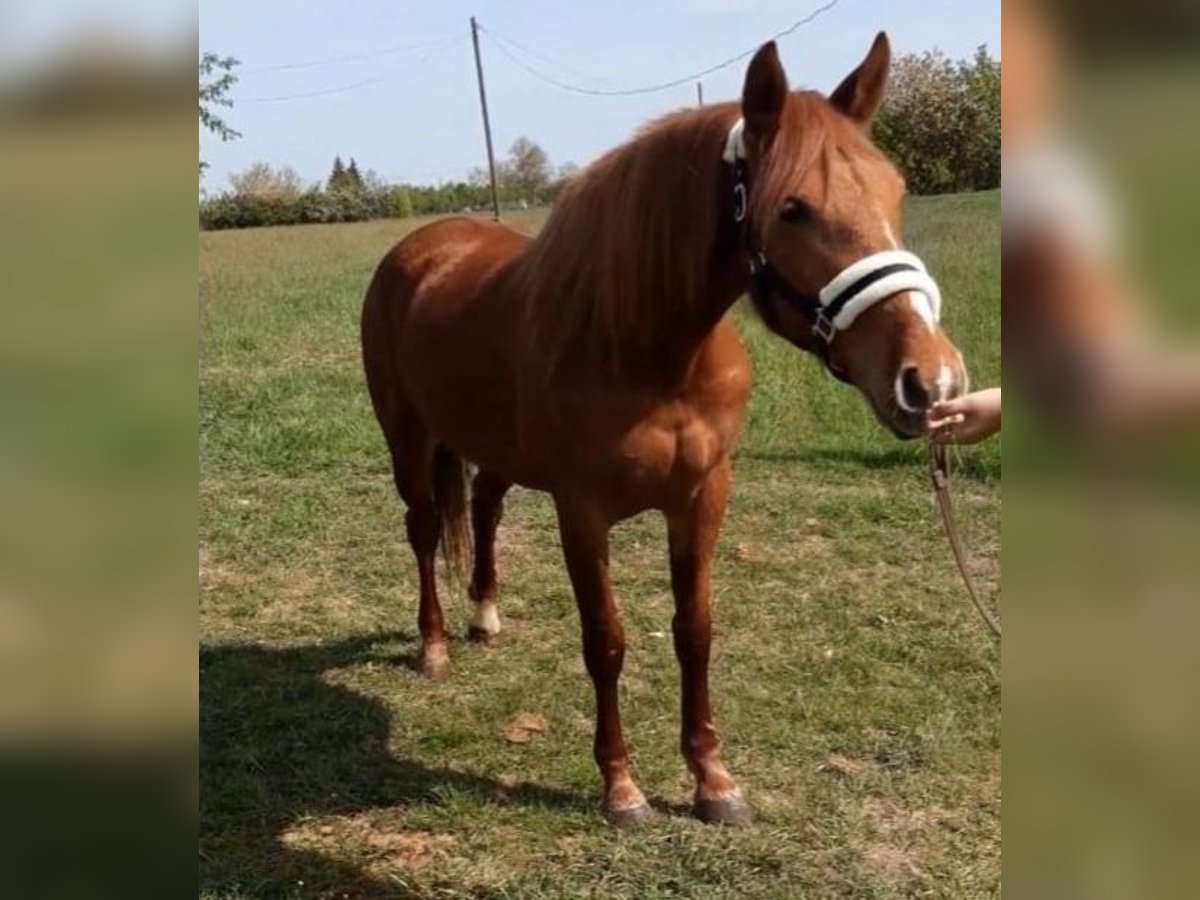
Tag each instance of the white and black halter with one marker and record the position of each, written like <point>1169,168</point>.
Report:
<point>848,294</point>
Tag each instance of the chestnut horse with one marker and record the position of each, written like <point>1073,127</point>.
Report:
<point>598,361</point>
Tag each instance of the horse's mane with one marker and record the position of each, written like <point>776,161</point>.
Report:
<point>629,250</point>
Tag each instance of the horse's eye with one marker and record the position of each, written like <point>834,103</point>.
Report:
<point>795,211</point>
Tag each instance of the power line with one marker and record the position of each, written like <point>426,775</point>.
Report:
<point>339,89</point>
<point>543,57</point>
<point>350,57</point>
<point>333,90</point>
<point>651,88</point>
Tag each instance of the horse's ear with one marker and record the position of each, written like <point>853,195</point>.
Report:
<point>860,94</point>
<point>764,93</point>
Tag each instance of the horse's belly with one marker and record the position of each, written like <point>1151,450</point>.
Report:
<point>472,411</point>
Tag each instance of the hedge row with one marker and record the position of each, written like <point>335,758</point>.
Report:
<point>314,206</point>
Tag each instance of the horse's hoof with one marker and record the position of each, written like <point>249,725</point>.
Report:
<point>724,811</point>
<point>482,637</point>
<point>631,816</point>
<point>434,664</point>
<point>439,671</point>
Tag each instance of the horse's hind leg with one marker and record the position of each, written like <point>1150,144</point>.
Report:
<point>413,451</point>
<point>487,506</point>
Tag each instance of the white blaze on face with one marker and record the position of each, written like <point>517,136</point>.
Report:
<point>921,306</point>
<point>891,237</point>
<point>944,382</point>
<point>919,302</point>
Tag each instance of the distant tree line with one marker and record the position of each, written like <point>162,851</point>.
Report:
<point>266,195</point>
<point>940,122</point>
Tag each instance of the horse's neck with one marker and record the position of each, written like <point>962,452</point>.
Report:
<point>656,323</point>
<point>726,282</point>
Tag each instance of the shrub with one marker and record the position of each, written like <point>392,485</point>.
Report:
<point>941,122</point>
<point>400,203</point>
<point>263,181</point>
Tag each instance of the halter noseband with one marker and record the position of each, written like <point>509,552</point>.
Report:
<point>848,294</point>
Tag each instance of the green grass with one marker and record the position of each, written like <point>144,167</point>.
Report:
<point>856,692</point>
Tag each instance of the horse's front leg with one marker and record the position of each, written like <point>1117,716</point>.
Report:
<point>585,546</point>
<point>692,529</point>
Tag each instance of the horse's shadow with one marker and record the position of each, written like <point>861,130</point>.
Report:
<point>279,744</point>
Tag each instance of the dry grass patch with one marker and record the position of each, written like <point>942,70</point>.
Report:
<point>378,840</point>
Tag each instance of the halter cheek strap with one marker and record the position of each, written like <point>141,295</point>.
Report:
<point>848,294</point>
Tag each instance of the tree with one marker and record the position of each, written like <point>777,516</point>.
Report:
<point>216,78</point>
<point>337,178</point>
<point>354,179</point>
<point>345,179</point>
<point>528,169</point>
<point>565,173</point>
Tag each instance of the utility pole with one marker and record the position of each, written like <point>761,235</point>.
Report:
<point>487,127</point>
<point>700,93</point>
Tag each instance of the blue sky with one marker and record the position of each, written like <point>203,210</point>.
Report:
<point>417,118</point>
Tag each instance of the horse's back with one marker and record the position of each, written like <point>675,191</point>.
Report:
<point>453,252</point>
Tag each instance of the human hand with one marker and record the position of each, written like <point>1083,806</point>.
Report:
<point>965,420</point>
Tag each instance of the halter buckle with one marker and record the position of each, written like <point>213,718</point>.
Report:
<point>823,327</point>
<point>739,202</point>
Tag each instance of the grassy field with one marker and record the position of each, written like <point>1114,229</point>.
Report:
<point>857,694</point>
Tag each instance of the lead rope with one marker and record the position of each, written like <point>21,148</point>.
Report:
<point>939,474</point>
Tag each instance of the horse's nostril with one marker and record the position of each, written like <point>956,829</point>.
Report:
<point>911,394</point>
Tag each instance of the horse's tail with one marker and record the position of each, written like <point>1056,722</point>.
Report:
<point>450,497</point>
